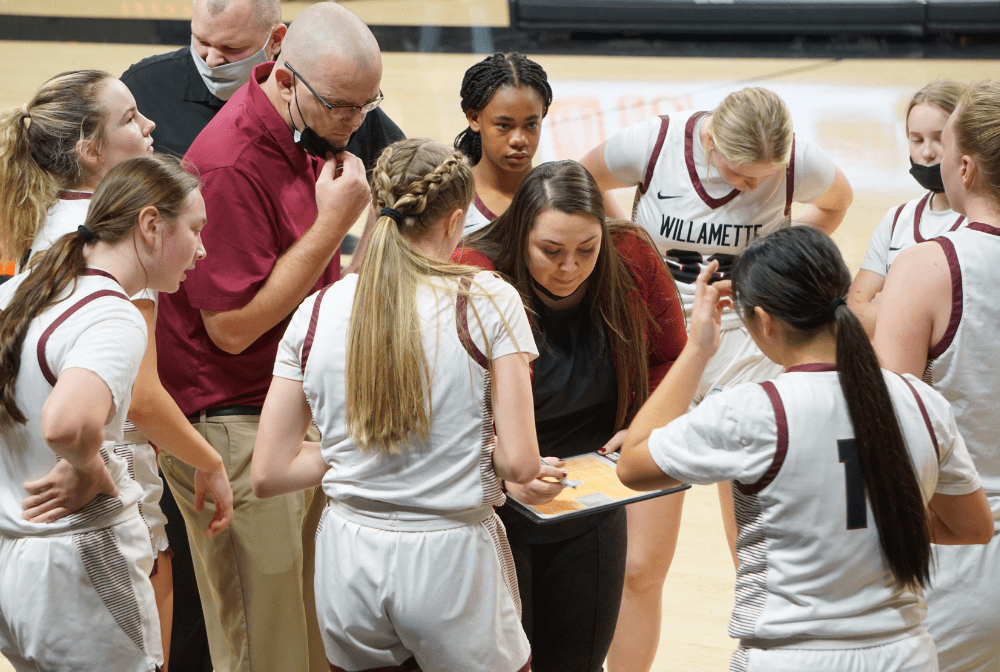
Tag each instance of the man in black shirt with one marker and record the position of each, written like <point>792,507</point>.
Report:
<point>182,90</point>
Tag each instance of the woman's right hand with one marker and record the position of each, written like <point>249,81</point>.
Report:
<point>66,489</point>
<point>706,312</point>
<point>540,491</point>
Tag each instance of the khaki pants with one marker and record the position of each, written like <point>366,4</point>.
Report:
<point>255,588</point>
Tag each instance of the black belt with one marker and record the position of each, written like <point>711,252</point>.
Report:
<point>225,410</point>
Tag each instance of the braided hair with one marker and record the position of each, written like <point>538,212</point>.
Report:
<point>387,377</point>
<point>483,79</point>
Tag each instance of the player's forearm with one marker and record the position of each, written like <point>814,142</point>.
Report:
<point>162,422</point>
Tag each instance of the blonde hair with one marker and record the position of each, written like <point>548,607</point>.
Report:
<point>387,375</point>
<point>752,126</point>
<point>941,93</point>
<point>978,133</point>
<point>132,185</point>
<point>38,155</point>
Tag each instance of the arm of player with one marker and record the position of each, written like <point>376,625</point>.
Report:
<point>636,467</point>
<point>515,458</point>
<point>340,201</point>
<point>863,289</point>
<point>828,210</point>
<point>594,162</point>
<point>75,432</point>
<point>915,309</point>
<point>154,412</point>
<point>282,462</point>
<point>960,519</point>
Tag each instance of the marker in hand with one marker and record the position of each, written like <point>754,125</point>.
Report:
<point>566,482</point>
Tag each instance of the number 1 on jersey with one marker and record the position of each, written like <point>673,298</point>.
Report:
<point>857,509</point>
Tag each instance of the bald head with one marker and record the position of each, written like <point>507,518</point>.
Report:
<point>327,35</point>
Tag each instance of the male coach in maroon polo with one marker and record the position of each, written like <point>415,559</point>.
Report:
<point>276,217</point>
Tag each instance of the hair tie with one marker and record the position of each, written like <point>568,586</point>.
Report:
<point>88,235</point>
<point>837,303</point>
<point>394,215</point>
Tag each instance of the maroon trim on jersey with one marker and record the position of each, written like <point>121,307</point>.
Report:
<point>693,172</point>
<point>527,666</point>
<point>462,320</point>
<point>408,665</point>
<point>895,219</point>
<point>481,207</point>
<point>790,181</point>
<point>43,341</point>
<point>782,446</point>
<point>923,412</point>
<point>919,213</point>
<point>99,272</point>
<point>75,195</point>
<point>984,228</point>
<point>948,248</point>
<point>661,136</point>
<point>307,344</point>
<point>812,367</point>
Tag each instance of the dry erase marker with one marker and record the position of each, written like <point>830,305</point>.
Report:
<point>566,482</point>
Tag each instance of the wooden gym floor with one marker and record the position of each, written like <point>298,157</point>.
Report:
<point>852,108</point>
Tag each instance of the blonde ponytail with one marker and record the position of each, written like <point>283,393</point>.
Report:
<point>38,155</point>
<point>387,375</point>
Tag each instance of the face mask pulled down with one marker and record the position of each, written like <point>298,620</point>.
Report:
<point>929,177</point>
<point>307,138</point>
<point>224,80</point>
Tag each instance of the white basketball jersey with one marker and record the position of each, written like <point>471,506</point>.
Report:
<point>694,217</point>
<point>811,565</point>
<point>94,327</point>
<point>911,223</point>
<point>965,365</point>
<point>451,471</point>
<point>478,216</point>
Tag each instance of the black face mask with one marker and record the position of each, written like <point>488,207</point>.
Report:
<point>928,177</point>
<point>307,138</point>
<point>551,295</point>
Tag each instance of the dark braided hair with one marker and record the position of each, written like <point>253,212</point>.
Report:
<point>483,79</point>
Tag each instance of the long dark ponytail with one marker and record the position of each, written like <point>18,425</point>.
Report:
<point>798,276</point>
<point>483,79</point>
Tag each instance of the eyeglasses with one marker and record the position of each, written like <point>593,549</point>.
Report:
<point>363,109</point>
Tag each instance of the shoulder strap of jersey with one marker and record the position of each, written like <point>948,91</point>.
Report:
<point>923,413</point>
<point>790,181</point>
<point>895,218</point>
<point>307,344</point>
<point>462,323</point>
<point>781,449</point>
<point>661,136</point>
<point>43,363</point>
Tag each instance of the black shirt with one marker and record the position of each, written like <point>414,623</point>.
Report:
<point>169,90</point>
<point>575,389</point>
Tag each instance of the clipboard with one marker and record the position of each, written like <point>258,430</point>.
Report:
<point>600,490</point>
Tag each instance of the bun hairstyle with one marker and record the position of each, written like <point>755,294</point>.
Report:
<point>978,133</point>
<point>566,186</point>
<point>38,152</point>
<point>753,125</point>
<point>387,374</point>
<point>483,79</point>
<point>941,93</point>
<point>798,276</point>
<point>128,188</point>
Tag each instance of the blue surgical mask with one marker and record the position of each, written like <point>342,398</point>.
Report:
<point>224,80</point>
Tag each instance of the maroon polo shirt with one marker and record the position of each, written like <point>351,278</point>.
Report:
<point>259,191</point>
